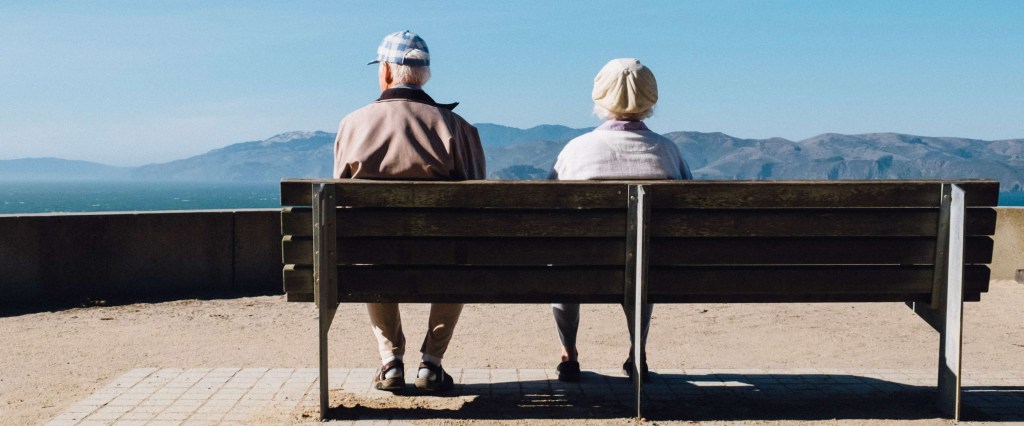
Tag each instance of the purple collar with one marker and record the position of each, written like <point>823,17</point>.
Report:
<point>623,125</point>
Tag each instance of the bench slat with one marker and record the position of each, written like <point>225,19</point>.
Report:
<point>504,194</point>
<point>809,251</point>
<point>611,251</point>
<point>667,284</point>
<point>801,283</point>
<point>465,222</point>
<point>464,251</point>
<point>811,222</point>
<point>610,194</point>
<point>478,284</point>
<point>814,194</point>
<point>611,223</point>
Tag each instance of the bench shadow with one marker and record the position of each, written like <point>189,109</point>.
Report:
<point>994,403</point>
<point>725,397</point>
<point>800,397</point>
<point>512,400</point>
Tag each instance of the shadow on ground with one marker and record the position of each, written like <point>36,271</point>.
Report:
<point>60,303</point>
<point>994,403</point>
<point>728,397</point>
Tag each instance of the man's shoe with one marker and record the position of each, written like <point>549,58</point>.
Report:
<point>568,371</point>
<point>436,380</point>
<point>627,369</point>
<point>395,383</point>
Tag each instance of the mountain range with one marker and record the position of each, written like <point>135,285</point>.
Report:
<point>514,153</point>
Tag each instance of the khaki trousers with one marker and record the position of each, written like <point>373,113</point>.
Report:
<point>387,327</point>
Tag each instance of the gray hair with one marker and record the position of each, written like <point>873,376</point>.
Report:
<point>604,114</point>
<point>414,76</point>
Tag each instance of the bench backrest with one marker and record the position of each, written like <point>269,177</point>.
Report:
<point>708,241</point>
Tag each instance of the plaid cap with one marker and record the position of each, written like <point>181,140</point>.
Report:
<point>395,46</point>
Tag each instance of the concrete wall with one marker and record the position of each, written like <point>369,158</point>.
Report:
<point>1008,254</point>
<point>71,258</point>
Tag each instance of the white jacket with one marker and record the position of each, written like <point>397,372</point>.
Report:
<point>620,150</point>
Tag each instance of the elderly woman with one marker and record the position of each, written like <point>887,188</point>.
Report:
<point>625,92</point>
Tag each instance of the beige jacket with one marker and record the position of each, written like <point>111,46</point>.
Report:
<point>406,135</point>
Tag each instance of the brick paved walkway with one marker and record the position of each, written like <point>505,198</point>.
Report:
<point>172,396</point>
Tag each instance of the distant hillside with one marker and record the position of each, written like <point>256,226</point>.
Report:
<point>496,135</point>
<point>310,154</point>
<point>529,154</point>
<point>46,169</point>
<point>293,154</point>
<point>866,156</point>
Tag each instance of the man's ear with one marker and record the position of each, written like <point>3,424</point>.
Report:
<point>388,78</point>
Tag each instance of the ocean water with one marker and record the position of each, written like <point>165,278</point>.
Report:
<point>1011,198</point>
<point>54,197</point>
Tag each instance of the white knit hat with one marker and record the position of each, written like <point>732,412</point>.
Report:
<point>625,86</point>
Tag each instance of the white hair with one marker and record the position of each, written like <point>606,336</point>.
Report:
<point>414,76</point>
<point>604,114</point>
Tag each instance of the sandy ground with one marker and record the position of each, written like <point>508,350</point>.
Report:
<point>50,360</point>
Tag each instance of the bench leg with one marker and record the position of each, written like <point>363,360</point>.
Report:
<point>945,311</point>
<point>636,277</point>
<point>950,361</point>
<point>948,321</point>
<point>951,305</point>
<point>326,317</point>
<point>325,276</point>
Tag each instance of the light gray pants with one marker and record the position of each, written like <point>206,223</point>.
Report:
<point>567,319</point>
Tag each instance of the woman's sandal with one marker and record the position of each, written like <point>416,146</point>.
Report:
<point>627,369</point>
<point>568,371</point>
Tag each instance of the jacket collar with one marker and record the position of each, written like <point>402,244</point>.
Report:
<point>414,95</point>
<point>635,126</point>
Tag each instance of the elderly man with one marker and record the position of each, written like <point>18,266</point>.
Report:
<point>405,134</point>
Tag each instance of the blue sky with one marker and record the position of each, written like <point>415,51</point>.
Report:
<point>134,82</point>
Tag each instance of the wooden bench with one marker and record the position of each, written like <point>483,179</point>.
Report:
<point>925,243</point>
